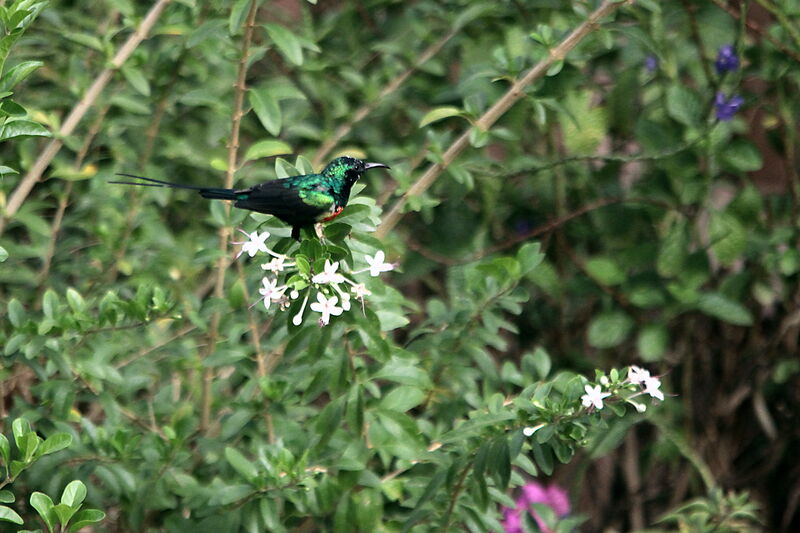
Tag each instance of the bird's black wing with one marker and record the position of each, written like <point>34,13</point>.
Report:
<point>296,202</point>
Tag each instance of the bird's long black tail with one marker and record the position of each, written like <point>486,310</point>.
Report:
<point>213,193</point>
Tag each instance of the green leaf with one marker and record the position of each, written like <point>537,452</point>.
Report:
<point>267,110</point>
<point>75,300</point>
<point>28,444</point>
<point>241,464</point>
<point>267,148</point>
<point>683,105</point>
<point>238,15</point>
<point>728,237</point>
<point>287,43</point>
<point>20,427</point>
<point>6,496</point>
<point>652,342</point>
<point>743,156</point>
<point>74,493</point>
<point>404,372</point>
<point>85,518</point>
<point>12,109</point>
<point>499,462</point>
<point>10,515</point>
<point>54,443</point>
<point>541,362</point>
<point>6,170</point>
<point>44,506</point>
<point>64,512</point>
<point>16,313</point>
<point>403,398</point>
<point>609,329</point>
<point>50,303</point>
<point>718,306</point>
<point>529,257</point>
<point>674,251</point>
<point>84,39</point>
<point>440,113</point>
<point>605,270</point>
<point>584,125</point>
<point>137,79</point>
<point>22,128</point>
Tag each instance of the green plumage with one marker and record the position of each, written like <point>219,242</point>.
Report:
<point>300,201</point>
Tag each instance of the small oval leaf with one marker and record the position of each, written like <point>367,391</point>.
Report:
<point>439,113</point>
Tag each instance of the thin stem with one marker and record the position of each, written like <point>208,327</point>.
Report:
<point>136,200</point>
<point>456,493</point>
<point>63,201</point>
<point>691,9</point>
<point>535,232</point>
<point>224,232</point>
<point>33,176</point>
<point>515,93</point>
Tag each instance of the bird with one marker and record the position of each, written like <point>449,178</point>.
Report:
<point>299,201</point>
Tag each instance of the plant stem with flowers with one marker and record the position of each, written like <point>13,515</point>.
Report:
<point>322,279</point>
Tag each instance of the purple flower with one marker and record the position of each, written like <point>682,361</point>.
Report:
<point>551,495</point>
<point>727,60</point>
<point>650,63</point>
<point>727,107</point>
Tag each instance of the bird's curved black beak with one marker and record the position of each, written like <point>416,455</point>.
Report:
<point>368,166</point>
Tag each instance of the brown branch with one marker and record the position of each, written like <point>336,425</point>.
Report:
<point>515,93</point>
<point>224,232</point>
<point>33,176</point>
<point>255,334</point>
<point>364,111</point>
<point>783,21</point>
<point>758,30</point>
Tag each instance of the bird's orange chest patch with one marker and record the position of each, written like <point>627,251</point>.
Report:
<point>336,212</point>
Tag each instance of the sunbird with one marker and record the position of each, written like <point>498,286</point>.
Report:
<point>300,201</point>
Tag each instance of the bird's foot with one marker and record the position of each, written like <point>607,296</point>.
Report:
<point>319,231</point>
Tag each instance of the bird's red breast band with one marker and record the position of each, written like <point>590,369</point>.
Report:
<point>334,214</point>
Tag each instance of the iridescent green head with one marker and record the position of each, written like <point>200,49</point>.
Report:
<point>349,168</point>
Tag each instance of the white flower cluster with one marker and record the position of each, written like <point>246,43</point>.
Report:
<point>333,288</point>
<point>638,380</point>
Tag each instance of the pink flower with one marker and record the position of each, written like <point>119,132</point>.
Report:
<point>533,492</point>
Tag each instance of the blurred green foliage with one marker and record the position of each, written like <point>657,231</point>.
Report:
<point>668,237</point>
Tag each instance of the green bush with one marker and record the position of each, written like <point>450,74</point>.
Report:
<point>574,186</point>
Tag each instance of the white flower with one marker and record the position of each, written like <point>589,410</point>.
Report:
<point>294,294</point>
<point>604,381</point>
<point>345,300</point>
<point>270,291</point>
<point>255,244</point>
<point>637,375</point>
<point>528,431</point>
<point>360,290</point>
<point>298,318</point>
<point>377,265</point>
<point>594,396</point>
<point>640,407</point>
<point>329,274</point>
<point>326,306</point>
<point>651,386</point>
<point>276,265</point>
